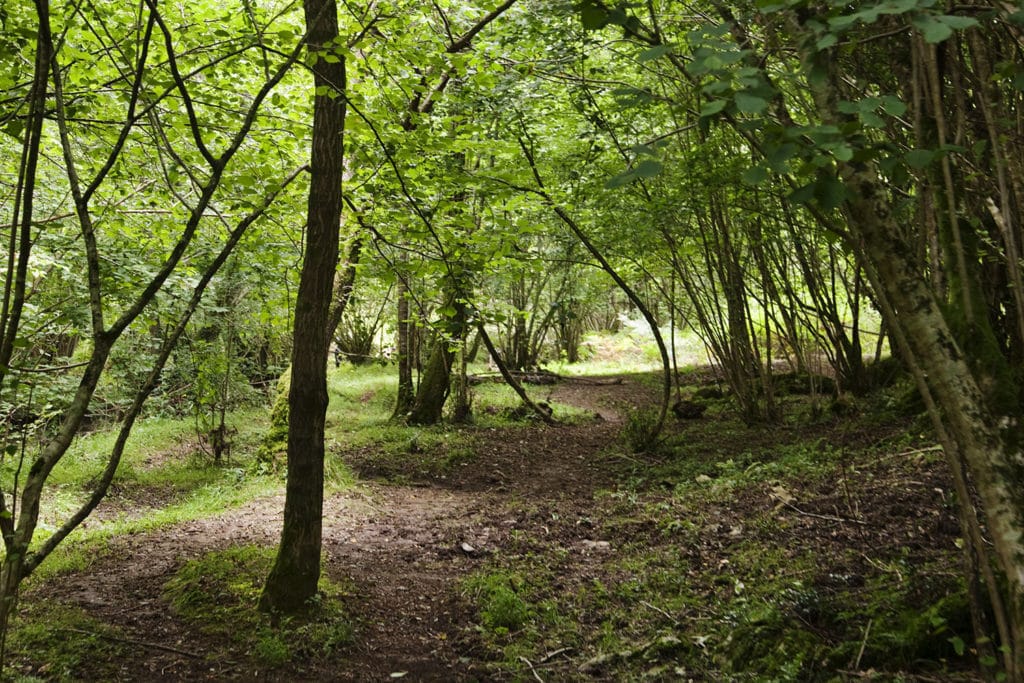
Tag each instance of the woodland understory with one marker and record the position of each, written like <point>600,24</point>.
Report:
<point>336,243</point>
<point>823,549</point>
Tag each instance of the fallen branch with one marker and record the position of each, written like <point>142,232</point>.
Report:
<point>130,641</point>
<point>586,380</point>
<point>543,414</point>
<point>554,653</point>
<point>542,377</point>
<point>863,644</point>
<point>828,518</point>
<point>534,671</point>
<point>660,611</point>
<point>662,644</point>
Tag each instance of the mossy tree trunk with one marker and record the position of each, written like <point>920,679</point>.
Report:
<point>435,384</point>
<point>965,382</point>
<point>988,444</point>
<point>295,575</point>
<point>428,405</point>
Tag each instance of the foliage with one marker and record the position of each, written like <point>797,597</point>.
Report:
<point>641,430</point>
<point>791,183</point>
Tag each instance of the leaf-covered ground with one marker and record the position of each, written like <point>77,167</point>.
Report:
<point>816,549</point>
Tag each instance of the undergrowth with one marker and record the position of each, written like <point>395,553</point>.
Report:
<point>55,642</point>
<point>218,593</point>
<point>739,558</point>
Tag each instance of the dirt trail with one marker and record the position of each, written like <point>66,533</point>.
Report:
<point>402,548</point>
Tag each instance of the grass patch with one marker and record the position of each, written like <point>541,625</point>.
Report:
<point>501,607</point>
<point>56,642</point>
<point>219,591</point>
<point>224,489</point>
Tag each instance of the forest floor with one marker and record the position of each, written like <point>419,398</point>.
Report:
<point>554,553</point>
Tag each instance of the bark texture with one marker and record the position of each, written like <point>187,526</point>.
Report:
<point>296,572</point>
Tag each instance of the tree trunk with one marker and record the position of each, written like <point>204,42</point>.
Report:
<point>344,283</point>
<point>295,575</point>
<point>990,447</point>
<point>406,392</point>
<point>428,407</point>
<point>987,441</point>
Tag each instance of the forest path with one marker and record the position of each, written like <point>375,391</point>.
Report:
<point>401,549</point>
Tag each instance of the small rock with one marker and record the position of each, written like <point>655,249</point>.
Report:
<point>597,545</point>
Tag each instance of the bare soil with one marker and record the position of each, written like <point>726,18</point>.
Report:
<point>404,548</point>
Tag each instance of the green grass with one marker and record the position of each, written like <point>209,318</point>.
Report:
<point>359,418</point>
<point>86,545</point>
<point>163,479</point>
<point>218,593</point>
<point>56,642</point>
<point>501,607</point>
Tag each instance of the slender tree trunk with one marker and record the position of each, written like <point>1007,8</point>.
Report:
<point>296,572</point>
<point>510,378</point>
<point>344,283</point>
<point>406,391</point>
<point>992,453</point>
<point>17,538</point>
<point>989,444</point>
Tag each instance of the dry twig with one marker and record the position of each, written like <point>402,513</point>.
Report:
<point>130,641</point>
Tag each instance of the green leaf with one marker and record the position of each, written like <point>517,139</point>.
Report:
<point>933,30</point>
<point>750,104</point>
<point>893,106</point>
<point>827,41</point>
<point>802,195</point>
<point>919,158</point>
<point>14,128</point>
<point>648,168</point>
<point>872,120</point>
<point>842,22</point>
<point>778,157</point>
<point>848,107</point>
<point>653,53</point>
<point>896,6</point>
<point>593,17</point>
<point>624,178</point>
<point>713,107</point>
<point>842,151</point>
<point>830,193</point>
<point>958,23</point>
<point>755,175</point>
